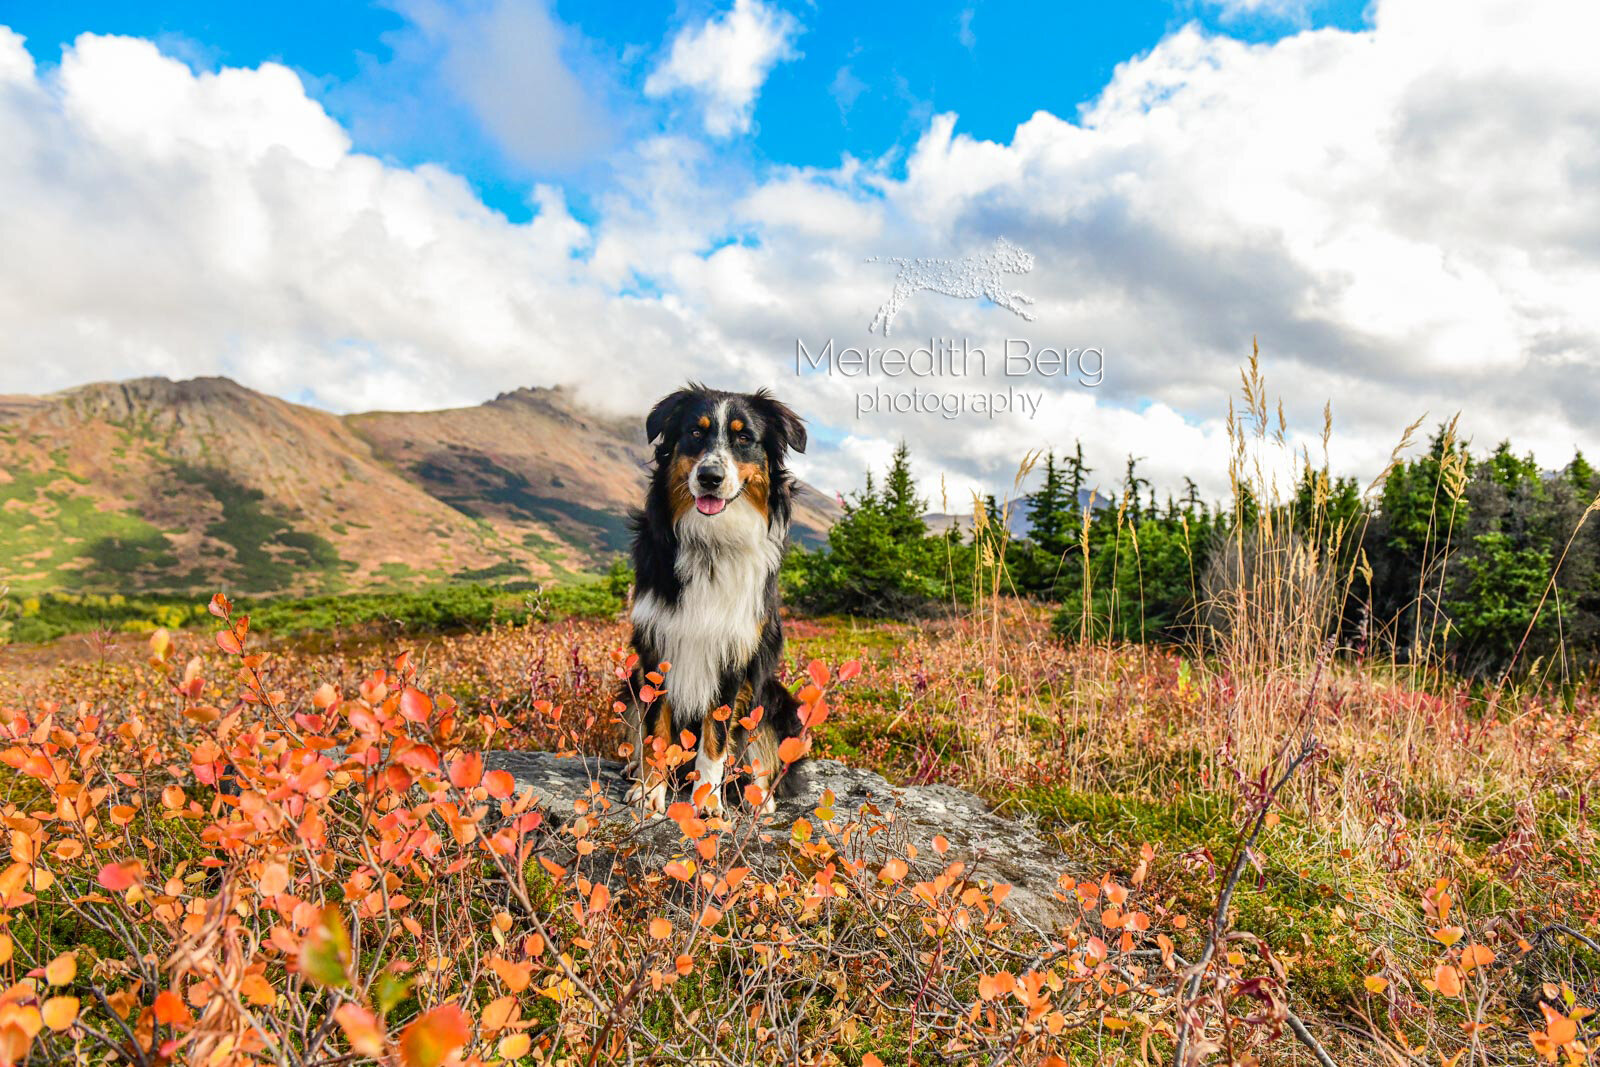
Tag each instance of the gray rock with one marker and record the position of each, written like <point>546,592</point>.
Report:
<point>996,849</point>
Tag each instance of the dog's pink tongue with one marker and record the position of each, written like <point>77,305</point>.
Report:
<point>710,505</point>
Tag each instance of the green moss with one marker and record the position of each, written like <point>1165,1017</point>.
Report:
<point>1193,818</point>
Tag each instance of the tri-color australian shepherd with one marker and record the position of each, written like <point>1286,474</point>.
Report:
<point>706,551</point>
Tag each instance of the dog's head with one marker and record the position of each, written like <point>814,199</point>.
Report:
<point>719,450</point>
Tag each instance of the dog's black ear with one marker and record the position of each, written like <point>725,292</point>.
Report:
<point>661,416</point>
<point>788,430</point>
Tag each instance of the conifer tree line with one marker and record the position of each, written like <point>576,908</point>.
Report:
<point>1453,554</point>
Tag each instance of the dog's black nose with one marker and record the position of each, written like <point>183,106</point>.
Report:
<point>710,472</point>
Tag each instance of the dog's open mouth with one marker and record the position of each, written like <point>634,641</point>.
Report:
<point>709,505</point>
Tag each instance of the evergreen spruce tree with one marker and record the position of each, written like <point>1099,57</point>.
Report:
<point>1049,518</point>
<point>902,508</point>
<point>1131,484</point>
<point>1580,473</point>
<point>1191,497</point>
<point>1077,474</point>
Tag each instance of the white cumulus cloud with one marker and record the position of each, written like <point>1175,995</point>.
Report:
<point>725,60</point>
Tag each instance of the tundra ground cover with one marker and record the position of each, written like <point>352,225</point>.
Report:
<point>1421,890</point>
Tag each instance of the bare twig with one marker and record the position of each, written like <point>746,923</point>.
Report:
<point>1309,747</point>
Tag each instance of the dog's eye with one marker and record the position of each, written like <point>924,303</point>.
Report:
<point>698,434</point>
<point>747,437</point>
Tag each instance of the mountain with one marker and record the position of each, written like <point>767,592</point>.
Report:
<point>155,485</point>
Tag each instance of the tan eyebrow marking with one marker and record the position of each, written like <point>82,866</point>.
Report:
<point>736,425</point>
<point>705,423</point>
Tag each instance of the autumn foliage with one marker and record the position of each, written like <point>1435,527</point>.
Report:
<point>331,875</point>
<point>235,851</point>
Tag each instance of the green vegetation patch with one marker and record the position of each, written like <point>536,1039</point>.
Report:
<point>53,538</point>
<point>268,552</point>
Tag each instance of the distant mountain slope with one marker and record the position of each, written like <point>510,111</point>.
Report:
<point>151,485</point>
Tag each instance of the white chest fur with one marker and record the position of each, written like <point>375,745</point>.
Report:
<point>724,562</point>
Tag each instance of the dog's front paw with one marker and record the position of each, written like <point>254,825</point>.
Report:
<point>708,799</point>
<point>654,797</point>
<point>767,805</point>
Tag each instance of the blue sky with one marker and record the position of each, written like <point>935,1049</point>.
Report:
<point>865,80</point>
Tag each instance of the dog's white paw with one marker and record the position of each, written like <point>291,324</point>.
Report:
<point>767,805</point>
<point>654,797</point>
<point>708,783</point>
<point>711,802</point>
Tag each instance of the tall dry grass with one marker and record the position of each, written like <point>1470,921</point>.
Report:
<point>1283,588</point>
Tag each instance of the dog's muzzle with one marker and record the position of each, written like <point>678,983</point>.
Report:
<point>711,486</point>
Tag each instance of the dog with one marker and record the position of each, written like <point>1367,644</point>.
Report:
<point>706,550</point>
<point>967,278</point>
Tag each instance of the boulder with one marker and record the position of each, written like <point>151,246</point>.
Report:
<point>997,849</point>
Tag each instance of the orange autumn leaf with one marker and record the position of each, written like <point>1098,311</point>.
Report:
<point>274,879</point>
<point>1447,980</point>
<point>362,1029</point>
<point>169,1008</point>
<point>415,705</point>
<point>500,784</point>
<point>258,991</point>
<point>62,969</point>
<point>515,975</point>
<point>513,1047</point>
<point>466,771</point>
<point>660,929</point>
<point>791,749</point>
<point>115,877</point>
<point>992,986</point>
<point>1560,1029</point>
<point>59,1013</point>
<point>430,1038</point>
<point>500,1013</point>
